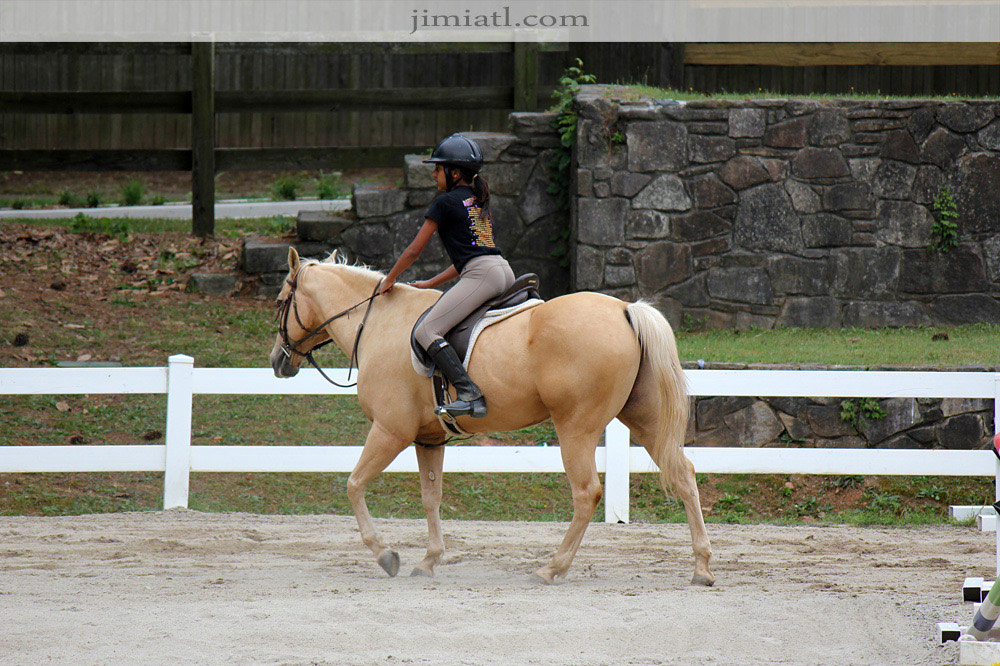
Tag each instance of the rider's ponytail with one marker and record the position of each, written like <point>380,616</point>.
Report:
<point>480,189</point>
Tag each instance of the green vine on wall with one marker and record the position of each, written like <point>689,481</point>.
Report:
<point>944,230</point>
<point>565,125</point>
<point>865,409</point>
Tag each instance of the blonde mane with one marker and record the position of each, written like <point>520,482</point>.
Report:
<point>338,258</point>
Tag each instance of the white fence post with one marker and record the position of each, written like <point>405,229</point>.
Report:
<point>996,429</point>
<point>180,394</point>
<point>616,471</point>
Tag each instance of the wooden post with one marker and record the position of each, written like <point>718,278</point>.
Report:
<point>203,139</point>
<point>677,66</point>
<point>525,76</point>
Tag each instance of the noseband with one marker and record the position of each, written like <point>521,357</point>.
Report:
<point>288,304</point>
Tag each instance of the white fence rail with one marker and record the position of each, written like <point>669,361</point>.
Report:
<point>177,458</point>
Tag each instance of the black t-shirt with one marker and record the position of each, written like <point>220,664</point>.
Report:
<point>463,230</point>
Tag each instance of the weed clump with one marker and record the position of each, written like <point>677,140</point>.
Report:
<point>132,191</point>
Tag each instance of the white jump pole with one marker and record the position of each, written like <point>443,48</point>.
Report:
<point>180,394</point>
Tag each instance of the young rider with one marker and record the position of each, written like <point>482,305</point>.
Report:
<point>461,216</point>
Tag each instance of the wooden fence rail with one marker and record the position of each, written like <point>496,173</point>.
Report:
<point>919,68</point>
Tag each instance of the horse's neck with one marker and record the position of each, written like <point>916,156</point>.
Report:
<point>389,315</point>
<point>339,291</point>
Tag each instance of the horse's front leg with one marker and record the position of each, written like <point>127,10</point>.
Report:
<point>578,459</point>
<point>431,463</point>
<point>381,448</point>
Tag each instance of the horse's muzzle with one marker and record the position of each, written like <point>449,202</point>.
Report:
<point>281,363</point>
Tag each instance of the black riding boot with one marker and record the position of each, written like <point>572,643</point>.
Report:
<point>470,400</point>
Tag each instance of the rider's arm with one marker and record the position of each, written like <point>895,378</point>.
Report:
<point>447,275</point>
<point>410,254</point>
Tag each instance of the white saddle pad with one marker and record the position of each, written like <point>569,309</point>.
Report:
<point>490,318</point>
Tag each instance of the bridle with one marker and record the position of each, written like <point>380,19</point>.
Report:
<point>288,304</point>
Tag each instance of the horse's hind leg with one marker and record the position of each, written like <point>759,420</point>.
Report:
<point>682,480</point>
<point>578,459</point>
<point>381,448</point>
<point>430,460</point>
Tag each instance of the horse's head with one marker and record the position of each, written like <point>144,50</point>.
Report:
<point>297,319</point>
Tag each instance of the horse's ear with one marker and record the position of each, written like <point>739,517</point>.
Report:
<point>293,259</point>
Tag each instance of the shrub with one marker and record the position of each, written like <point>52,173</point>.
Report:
<point>69,199</point>
<point>132,191</point>
<point>94,198</point>
<point>330,186</point>
<point>285,188</point>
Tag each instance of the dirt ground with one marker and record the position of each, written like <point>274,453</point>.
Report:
<point>191,588</point>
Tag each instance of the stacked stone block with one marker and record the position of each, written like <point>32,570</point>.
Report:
<point>790,212</point>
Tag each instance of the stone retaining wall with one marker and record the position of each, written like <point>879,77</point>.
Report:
<point>909,423</point>
<point>791,212</point>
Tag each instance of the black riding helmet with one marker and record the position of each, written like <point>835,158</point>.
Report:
<point>458,151</point>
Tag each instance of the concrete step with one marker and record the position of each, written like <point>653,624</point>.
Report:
<point>321,226</point>
<point>213,283</point>
<point>269,255</point>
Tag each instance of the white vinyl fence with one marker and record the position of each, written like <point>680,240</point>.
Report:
<point>181,381</point>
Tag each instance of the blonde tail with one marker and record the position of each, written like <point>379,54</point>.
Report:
<point>660,351</point>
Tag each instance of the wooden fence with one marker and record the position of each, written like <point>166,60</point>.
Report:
<point>378,102</point>
<point>914,69</point>
<point>213,108</point>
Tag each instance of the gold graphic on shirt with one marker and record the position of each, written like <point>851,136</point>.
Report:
<point>482,229</point>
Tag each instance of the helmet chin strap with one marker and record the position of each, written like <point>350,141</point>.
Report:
<point>449,182</point>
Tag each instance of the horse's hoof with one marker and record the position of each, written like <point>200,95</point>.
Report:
<point>541,579</point>
<point>698,579</point>
<point>389,561</point>
<point>418,573</point>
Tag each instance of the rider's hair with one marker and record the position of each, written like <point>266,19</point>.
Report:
<point>480,188</point>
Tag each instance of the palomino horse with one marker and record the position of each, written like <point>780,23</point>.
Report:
<point>581,359</point>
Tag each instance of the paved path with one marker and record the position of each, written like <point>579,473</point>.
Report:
<point>223,209</point>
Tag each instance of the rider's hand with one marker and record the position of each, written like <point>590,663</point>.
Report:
<point>422,284</point>
<point>386,286</point>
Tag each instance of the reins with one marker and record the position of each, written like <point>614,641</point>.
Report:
<point>288,304</point>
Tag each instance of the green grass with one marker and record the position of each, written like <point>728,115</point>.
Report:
<point>636,91</point>
<point>225,227</point>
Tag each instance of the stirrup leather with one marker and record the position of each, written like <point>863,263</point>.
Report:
<point>441,398</point>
